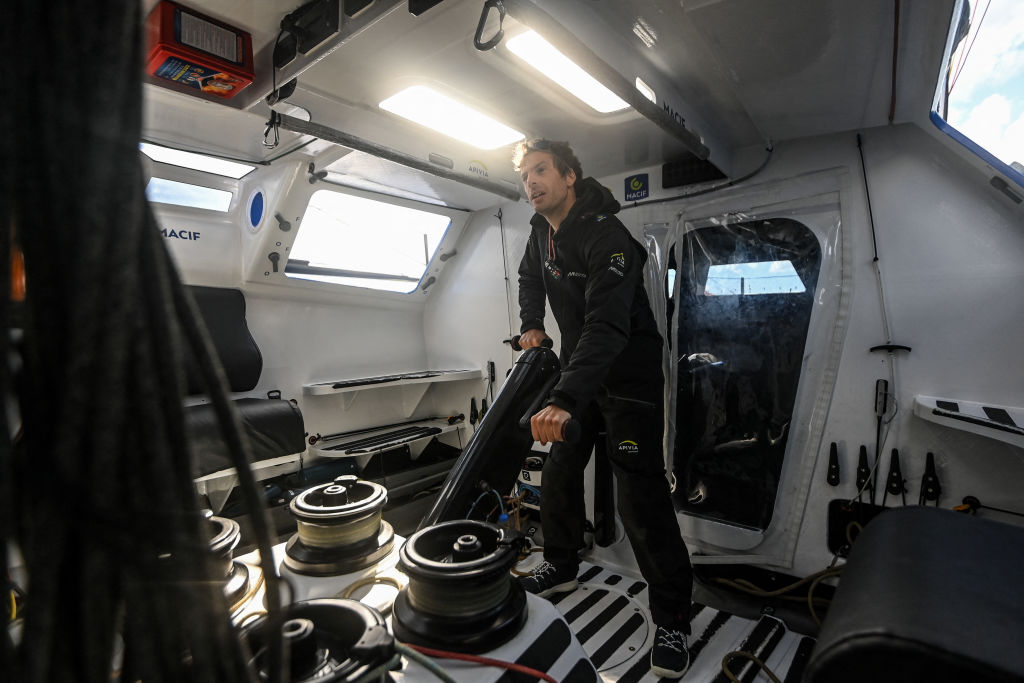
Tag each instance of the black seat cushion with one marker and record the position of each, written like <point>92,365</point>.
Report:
<point>927,595</point>
<point>223,312</point>
<point>274,428</point>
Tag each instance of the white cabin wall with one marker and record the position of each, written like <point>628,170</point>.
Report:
<point>306,333</point>
<point>469,316</point>
<point>951,253</point>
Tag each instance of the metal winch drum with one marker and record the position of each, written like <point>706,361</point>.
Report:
<point>224,537</point>
<point>460,593</point>
<point>326,640</point>
<point>340,528</point>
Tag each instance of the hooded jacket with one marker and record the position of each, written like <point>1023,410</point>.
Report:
<point>611,347</point>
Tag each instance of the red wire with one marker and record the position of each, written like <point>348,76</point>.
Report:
<point>487,661</point>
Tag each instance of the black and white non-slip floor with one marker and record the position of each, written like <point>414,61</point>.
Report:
<point>609,615</point>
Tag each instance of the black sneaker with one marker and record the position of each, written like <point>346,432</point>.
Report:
<point>547,579</point>
<point>669,656</point>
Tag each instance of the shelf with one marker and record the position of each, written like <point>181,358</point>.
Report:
<point>370,441</point>
<point>405,379</point>
<point>411,386</point>
<point>1003,423</point>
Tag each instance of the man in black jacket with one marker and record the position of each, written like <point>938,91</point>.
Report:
<point>590,269</point>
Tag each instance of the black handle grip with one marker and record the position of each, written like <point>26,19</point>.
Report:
<point>546,343</point>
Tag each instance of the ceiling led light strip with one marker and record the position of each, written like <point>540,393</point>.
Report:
<point>439,112</point>
<point>542,55</point>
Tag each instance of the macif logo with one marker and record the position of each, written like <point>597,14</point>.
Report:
<point>637,187</point>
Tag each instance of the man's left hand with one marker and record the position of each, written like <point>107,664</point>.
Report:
<point>548,424</point>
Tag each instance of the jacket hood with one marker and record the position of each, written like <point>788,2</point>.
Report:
<point>591,198</point>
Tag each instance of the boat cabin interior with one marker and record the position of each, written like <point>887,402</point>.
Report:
<point>267,417</point>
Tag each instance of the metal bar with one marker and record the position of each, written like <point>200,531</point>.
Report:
<point>526,12</point>
<point>303,268</point>
<point>295,125</point>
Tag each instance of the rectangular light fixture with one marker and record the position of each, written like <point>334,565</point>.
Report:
<point>197,162</point>
<point>542,55</point>
<point>646,90</point>
<point>430,108</point>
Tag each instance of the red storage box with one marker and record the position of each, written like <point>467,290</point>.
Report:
<point>196,51</point>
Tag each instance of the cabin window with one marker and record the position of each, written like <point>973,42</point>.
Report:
<point>360,242</point>
<point>164,191</point>
<point>196,162</point>
<point>742,297</point>
<point>980,95</point>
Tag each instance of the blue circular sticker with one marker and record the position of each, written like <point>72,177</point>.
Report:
<point>256,209</point>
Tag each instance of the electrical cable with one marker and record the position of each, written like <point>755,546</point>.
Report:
<point>741,654</point>
<point>371,581</point>
<point>814,579</point>
<point>504,266</point>
<point>428,663</point>
<point>708,190</point>
<point>486,661</point>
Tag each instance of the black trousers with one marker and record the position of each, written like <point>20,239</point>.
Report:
<point>634,439</point>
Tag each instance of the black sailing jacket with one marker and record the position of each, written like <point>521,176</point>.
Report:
<point>611,347</point>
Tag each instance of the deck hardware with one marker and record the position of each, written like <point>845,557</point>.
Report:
<point>971,504</point>
<point>447,255</point>
<point>340,528</point>
<point>864,473</point>
<point>429,281</point>
<point>460,593</point>
<point>833,465</point>
<point>315,175</point>
<point>284,225</point>
<point>1004,187</point>
<point>896,484</point>
<point>274,394</point>
<point>224,537</point>
<point>478,41</point>
<point>930,487</point>
<point>274,259</point>
<point>328,640</point>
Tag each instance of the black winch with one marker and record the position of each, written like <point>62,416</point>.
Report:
<point>327,640</point>
<point>460,594</point>
<point>224,537</point>
<point>340,528</point>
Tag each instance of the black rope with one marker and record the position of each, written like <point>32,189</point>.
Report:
<point>108,520</point>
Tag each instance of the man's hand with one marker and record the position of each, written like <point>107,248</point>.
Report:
<point>548,424</point>
<point>532,338</point>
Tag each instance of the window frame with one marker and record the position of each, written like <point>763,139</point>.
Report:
<point>950,132</point>
<point>458,219</point>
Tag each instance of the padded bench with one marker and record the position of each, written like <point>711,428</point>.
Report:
<point>927,595</point>
<point>274,426</point>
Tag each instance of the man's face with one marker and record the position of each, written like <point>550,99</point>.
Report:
<point>546,188</point>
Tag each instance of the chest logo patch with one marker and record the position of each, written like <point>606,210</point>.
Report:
<point>618,263</point>
<point>628,447</point>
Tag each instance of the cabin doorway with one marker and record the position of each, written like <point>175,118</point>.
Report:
<point>740,297</point>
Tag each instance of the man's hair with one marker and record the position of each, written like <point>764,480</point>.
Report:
<point>565,160</point>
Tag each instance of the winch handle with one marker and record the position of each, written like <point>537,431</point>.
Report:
<point>514,343</point>
<point>571,430</point>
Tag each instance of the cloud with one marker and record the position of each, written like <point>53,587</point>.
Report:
<point>990,124</point>
<point>996,55</point>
